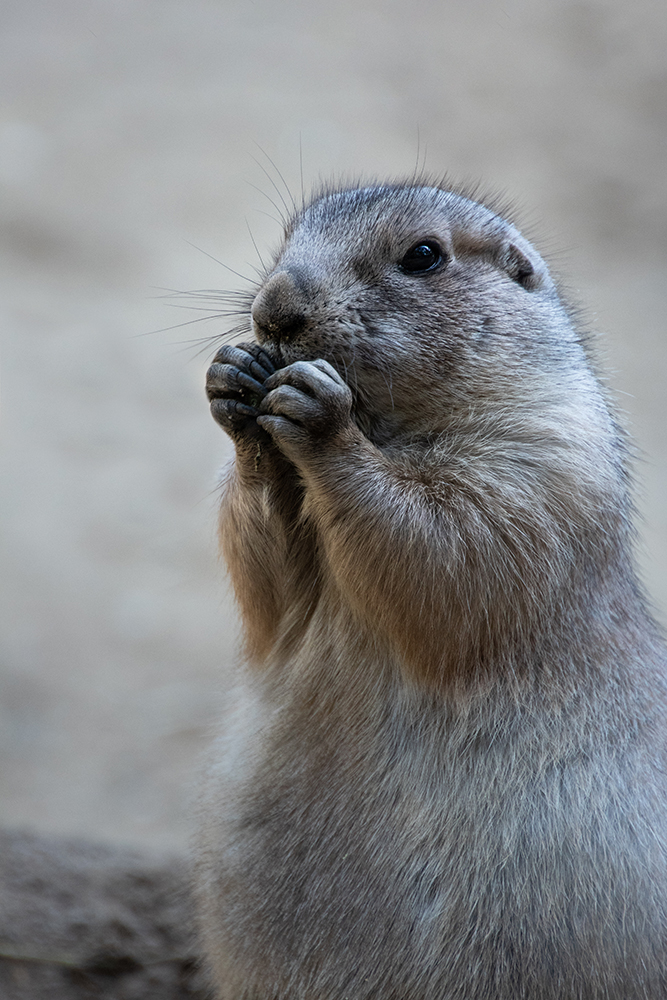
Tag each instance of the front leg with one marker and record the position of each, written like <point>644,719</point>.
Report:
<point>235,388</point>
<point>397,532</point>
<point>261,498</point>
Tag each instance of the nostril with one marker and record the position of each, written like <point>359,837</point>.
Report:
<point>279,327</point>
<point>280,308</point>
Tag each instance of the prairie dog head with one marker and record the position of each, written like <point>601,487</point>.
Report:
<point>430,305</point>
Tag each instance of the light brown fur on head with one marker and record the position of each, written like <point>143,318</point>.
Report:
<point>446,777</point>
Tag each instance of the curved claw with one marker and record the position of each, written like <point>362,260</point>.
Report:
<point>226,380</point>
<point>232,415</point>
<point>235,386</point>
<point>250,358</point>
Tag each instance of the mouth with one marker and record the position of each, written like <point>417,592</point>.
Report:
<point>287,352</point>
<point>272,349</point>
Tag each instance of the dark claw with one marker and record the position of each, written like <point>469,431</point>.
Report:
<point>235,387</point>
<point>262,365</point>
<point>232,415</point>
<point>246,382</point>
<point>250,358</point>
<point>227,381</point>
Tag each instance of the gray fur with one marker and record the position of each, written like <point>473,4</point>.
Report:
<point>444,777</point>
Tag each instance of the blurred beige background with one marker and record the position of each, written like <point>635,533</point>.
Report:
<point>128,138</point>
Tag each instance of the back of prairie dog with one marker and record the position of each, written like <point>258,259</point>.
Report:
<point>445,776</point>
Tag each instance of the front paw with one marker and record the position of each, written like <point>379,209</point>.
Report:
<point>307,405</point>
<point>235,388</point>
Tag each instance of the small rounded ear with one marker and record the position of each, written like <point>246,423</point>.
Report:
<point>519,267</point>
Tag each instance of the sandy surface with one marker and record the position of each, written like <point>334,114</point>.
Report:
<point>128,138</point>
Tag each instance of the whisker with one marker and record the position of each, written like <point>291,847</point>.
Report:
<point>214,294</point>
<point>226,312</point>
<point>261,260</point>
<point>282,219</point>
<point>260,273</point>
<point>238,274</point>
<point>285,184</point>
<point>239,328</point>
<point>211,343</point>
<point>274,185</point>
<point>177,326</point>
<point>279,222</point>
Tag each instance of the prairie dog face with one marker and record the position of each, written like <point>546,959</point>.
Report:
<point>421,299</point>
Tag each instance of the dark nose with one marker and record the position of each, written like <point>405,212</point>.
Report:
<point>280,308</point>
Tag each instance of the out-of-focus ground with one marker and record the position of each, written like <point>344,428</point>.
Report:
<point>128,138</point>
<point>81,921</point>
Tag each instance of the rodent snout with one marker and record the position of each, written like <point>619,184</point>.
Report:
<point>280,308</point>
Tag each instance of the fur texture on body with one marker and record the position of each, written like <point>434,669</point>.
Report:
<point>445,775</point>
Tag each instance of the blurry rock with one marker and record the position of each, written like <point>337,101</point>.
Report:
<point>80,920</point>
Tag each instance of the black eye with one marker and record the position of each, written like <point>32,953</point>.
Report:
<point>423,257</point>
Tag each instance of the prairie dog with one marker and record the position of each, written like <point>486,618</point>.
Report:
<point>446,773</point>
